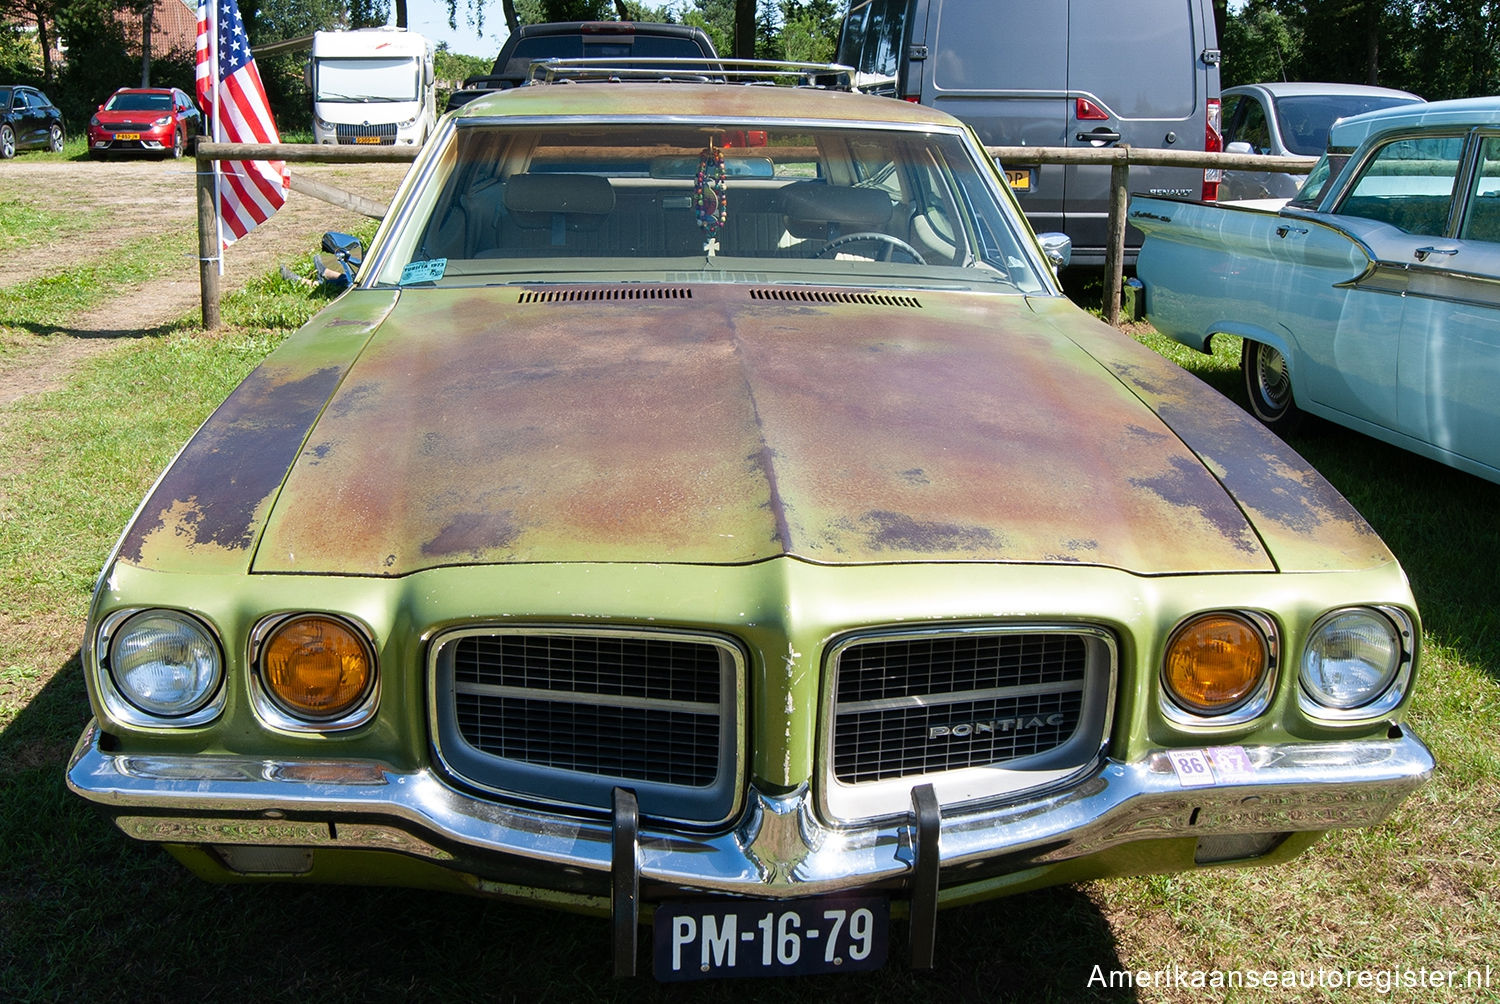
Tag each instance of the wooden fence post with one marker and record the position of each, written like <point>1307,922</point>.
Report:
<point>1114,248</point>
<point>208,246</point>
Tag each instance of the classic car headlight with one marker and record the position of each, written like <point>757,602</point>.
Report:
<point>165,662</point>
<point>1218,663</point>
<point>317,669</point>
<point>1351,659</point>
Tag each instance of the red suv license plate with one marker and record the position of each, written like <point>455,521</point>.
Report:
<point>713,938</point>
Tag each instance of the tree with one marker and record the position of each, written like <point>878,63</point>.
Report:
<point>43,14</point>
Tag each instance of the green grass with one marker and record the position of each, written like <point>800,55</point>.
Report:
<point>86,913</point>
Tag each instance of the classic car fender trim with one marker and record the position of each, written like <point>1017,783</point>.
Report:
<point>779,848</point>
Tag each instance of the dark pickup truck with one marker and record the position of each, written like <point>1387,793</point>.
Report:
<point>622,40</point>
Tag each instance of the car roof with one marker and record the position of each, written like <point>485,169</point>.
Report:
<point>607,27</point>
<point>1463,112</point>
<point>1283,89</point>
<point>145,90</point>
<point>666,101</point>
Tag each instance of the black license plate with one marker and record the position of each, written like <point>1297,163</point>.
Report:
<point>709,939</point>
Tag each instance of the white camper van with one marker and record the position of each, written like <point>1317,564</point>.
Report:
<point>372,86</point>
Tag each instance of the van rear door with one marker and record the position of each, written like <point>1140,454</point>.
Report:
<point>1003,69</point>
<point>1137,77</point>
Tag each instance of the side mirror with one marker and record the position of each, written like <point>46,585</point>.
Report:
<point>1239,146</point>
<point>1057,247</point>
<point>344,245</point>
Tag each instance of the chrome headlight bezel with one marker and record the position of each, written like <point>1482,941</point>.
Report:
<point>1393,683</point>
<point>125,702</point>
<point>1257,699</point>
<point>275,714</point>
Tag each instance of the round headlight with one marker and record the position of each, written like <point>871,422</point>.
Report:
<point>317,668</point>
<point>1351,659</point>
<point>165,662</point>
<point>1215,662</point>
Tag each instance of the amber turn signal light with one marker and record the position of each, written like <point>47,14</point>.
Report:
<point>1215,662</point>
<point>317,667</point>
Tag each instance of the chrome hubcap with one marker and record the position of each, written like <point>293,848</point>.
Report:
<point>1271,377</point>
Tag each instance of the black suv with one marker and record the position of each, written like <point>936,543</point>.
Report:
<point>622,40</point>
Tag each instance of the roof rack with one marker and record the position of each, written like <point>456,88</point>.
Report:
<point>762,72</point>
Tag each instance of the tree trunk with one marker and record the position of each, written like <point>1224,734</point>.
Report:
<point>744,29</point>
<point>146,16</point>
<point>508,7</point>
<point>620,11</point>
<point>400,13</point>
<point>44,39</point>
<point>1372,41</point>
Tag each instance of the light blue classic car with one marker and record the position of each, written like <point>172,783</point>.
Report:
<point>1372,299</point>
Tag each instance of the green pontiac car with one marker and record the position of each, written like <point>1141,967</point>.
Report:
<point>705,510</point>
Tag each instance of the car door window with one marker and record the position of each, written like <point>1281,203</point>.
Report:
<point>1254,129</point>
<point>1409,184</point>
<point>1482,218</point>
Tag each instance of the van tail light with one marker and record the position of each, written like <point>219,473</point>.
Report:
<point>1213,142</point>
<point>1086,111</point>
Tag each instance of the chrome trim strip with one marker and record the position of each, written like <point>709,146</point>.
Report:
<point>778,847</point>
<point>584,697</point>
<point>960,696</point>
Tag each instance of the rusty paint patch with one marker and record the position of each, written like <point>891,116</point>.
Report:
<point>473,534</point>
<point>1299,517</point>
<point>214,496</point>
<point>1183,487</point>
<point>895,531</point>
<point>729,429</point>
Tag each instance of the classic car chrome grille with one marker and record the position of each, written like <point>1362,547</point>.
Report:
<point>571,714</point>
<point>1027,705</point>
<point>379,134</point>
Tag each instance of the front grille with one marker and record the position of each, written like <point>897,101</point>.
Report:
<point>1026,705</point>
<point>380,134</point>
<point>569,715</point>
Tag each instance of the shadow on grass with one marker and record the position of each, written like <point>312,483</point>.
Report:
<point>86,913</point>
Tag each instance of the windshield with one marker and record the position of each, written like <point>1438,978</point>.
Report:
<point>1306,119</point>
<point>139,103</point>
<point>367,80</point>
<point>518,201</point>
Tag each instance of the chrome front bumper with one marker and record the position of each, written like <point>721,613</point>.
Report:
<point>780,848</point>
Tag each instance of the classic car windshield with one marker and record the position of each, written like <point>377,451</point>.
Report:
<point>512,199</point>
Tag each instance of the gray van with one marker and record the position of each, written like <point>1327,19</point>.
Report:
<point>1056,73</point>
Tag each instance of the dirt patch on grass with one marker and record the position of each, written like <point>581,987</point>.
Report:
<point>110,204</point>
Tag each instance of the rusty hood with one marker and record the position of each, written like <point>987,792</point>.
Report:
<point>710,423</point>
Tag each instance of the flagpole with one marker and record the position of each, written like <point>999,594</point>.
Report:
<point>213,36</point>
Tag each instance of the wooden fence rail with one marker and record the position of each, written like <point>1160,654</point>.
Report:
<point>1118,158</point>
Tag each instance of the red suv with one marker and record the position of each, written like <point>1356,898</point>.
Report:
<point>144,120</point>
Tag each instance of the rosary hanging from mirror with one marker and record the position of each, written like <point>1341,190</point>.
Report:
<point>709,203</point>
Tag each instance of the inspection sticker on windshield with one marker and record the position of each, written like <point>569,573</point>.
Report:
<point>430,270</point>
<point>1219,764</point>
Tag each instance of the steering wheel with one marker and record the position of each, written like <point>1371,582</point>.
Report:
<point>893,244</point>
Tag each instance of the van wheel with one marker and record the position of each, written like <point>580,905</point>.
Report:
<point>1268,383</point>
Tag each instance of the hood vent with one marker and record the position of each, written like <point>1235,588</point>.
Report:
<point>834,296</point>
<point>605,293</point>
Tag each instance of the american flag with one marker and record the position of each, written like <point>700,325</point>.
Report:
<point>249,191</point>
